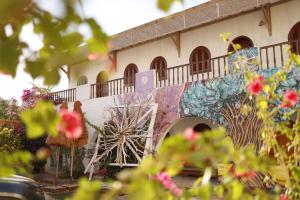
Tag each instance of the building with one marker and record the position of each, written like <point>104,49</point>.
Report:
<point>188,55</point>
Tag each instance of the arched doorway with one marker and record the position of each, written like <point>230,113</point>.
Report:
<point>101,84</point>
<point>294,38</point>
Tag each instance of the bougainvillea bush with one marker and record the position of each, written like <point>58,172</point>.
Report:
<point>9,109</point>
<point>31,96</point>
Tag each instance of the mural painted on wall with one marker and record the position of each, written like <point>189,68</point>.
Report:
<point>168,99</point>
<point>249,55</point>
<point>221,100</point>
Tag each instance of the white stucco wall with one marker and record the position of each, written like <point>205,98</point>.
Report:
<point>284,16</point>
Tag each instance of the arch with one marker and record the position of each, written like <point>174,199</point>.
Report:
<point>200,60</point>
<point>294,38</point>
<point>129,74</point>
<point>82,80</point>
<point>244,41</point>
<point>101,84</point>
<point>160,64</point>
<point>179,125</point>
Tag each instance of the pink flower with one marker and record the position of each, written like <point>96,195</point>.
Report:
<point>162,176</point>
<point>290,99</point>
<point>190,135</point>
<point>177,191</point>
<point>255,86</point>
<point>283,197</point>
<point>70,124</point>
<point>168,183</point>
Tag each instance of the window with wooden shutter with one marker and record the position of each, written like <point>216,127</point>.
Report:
<point>129,74</point>
<point>160,65</point>
<point>200,60</point>
<point>243,41</point>
<point>82,80</point>
<point>294,38</point>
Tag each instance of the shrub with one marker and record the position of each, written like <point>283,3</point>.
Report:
<point>9,140</point>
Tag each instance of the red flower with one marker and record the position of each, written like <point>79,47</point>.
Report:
<point>283,197</point>
<point>255,86</point>
<point>70,124</point>
<point>190,135</point>
<point>247,175</point>
<point>290,99</point>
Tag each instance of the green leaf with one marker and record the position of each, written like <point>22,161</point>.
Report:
<point>13,163</point>
<point>98,43</point>
<point>35,68</point>
<point>51,77</point>
<point>40,120</point>
<point>237,190</point>
<point>165,5</point>
<point>87,190</point>
<point>10,51</point>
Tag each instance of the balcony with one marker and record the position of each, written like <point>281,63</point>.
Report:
<point>270,56</point>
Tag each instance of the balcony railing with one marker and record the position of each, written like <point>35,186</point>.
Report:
<point>270,56</point>
<point>110,88</point>
<point>216,67</point>
<point>65,95</point>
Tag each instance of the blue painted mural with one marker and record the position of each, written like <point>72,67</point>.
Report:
<point>220,100</point>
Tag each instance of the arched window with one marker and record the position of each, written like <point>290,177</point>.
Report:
<point>160,65</point>
<point>129,74</point>
<point>101,84</point>
<point>294,38</point>
<point>200,60</point>
<point>82,80</point>
<point>243,41</point>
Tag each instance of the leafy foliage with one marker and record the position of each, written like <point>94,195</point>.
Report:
<point>61,44</point>
<point>40,120</point>
<point>86,187</point>
<point>16,162</point>
<point>9,141</point>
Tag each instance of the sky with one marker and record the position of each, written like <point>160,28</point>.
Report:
<point>113,15</point>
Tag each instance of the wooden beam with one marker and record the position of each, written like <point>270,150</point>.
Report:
<point>68,72</point>
<point>65,71</point>
<point>176,40</point>
<point>268,16</point>
<point>113,58</point>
